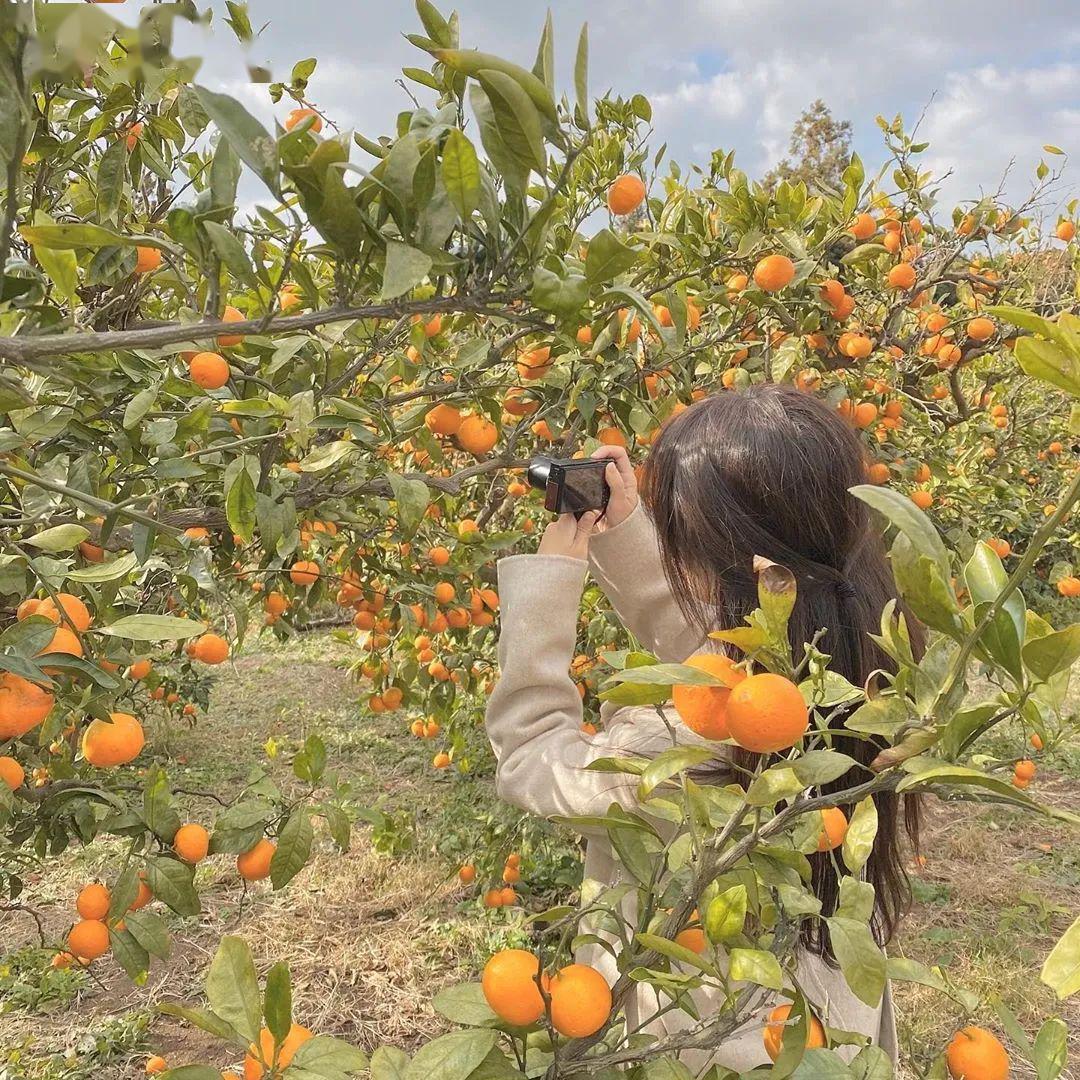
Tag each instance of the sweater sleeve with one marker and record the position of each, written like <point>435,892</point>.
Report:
<point>626,563</point>
<point>534,714</point>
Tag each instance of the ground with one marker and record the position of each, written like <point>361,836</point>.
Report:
<point>371,935</point>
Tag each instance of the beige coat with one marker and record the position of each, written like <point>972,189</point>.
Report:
<point>534,723</point>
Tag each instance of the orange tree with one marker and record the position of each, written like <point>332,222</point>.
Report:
<point>208,419</point>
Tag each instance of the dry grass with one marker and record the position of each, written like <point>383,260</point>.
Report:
<point>370,937</point>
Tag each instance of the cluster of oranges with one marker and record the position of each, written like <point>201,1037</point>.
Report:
<point>1024,772</point>
<point>497,896</point>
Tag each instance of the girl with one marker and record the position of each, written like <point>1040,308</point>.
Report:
<point>764,472</point>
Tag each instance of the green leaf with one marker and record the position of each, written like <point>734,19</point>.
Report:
<point>254,145</point>
<point>61,237</point>
<point>779,782</point>
<point>674,951</point>
<point>149,931</point>
<point>756,966</point>
<point>516,118</point>
<point>464,1004</point>
<point>1061,970</point>
<point>1051,1050</point>
<point>277,1001</point>
<point>451,1057</point>
<point>62,267</point>
<point>726,914</point>
<point>326,1056</point>
<point>607,257</point>
<point>111,175</point>
<point>861,961</point>
<point>240,504</point>
<point>202,1019</point>
<point>152,628</point>
<point>871,1063</point>
<point>389,1063</point>
<point>412,497</point>
<point>666,675</point>
<point>171,882</point>
<point>191,1072</point>
<point>908,518</point>
<point>293,848</point>
<point>1050,363</point>
<point>405,267</point>
<point>231,252</point>
<point>821,1064</point>
<point>232,987</point>
<point>59,538</point>
<point>581,73</point>
<point>859,838</point>
<point>139,406</point>
<point>128,953</point>
<point>669,762</point>
<point>562,294</point>
<point>474,63</point>
<point>461,173</point>
<point>106,571</point>
<point>159,813</point>
<point>821,766</point>
<point>1046,656</point>
<point>327,456</point>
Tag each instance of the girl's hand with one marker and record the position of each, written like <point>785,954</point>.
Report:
<point>620,478</point>
<point>568,536</point>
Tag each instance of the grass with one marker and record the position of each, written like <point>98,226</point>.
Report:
<point>371,935</point>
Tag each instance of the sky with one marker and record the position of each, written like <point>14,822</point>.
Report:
<point>993,80</point>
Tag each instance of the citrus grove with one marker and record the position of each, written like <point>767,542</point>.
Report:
<point>217,425</point>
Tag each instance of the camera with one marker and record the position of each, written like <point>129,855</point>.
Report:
<point>570,487</point>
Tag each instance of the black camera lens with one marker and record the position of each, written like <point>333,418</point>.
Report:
<point>538,472</point>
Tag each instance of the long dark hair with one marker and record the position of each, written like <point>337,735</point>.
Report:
<point>767,472</point>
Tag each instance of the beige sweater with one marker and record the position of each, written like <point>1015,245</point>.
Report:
<point>534,722</point>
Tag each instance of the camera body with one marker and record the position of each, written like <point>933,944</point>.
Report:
<point>570,486</point>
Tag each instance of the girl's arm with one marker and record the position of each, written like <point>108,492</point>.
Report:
<point>624,556</point>
<point>534,714</point>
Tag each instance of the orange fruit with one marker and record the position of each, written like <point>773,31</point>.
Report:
<point>766,713</point>
<point>254,864</point>
<point>105,745</point>
<point>144,895</point>
<point>441,760</point>
<point>209,370</point>
<point>305,572</point>
<point>692,937</point>
<point>625,194</point>
<point>1025,769</point>
<point>298,116</point>
<point>863,227</point>
<point>1001,548</point>
<point>980,329</point>
<point>147,259</point>
<point>976,1054</point>
<point>1067,586</point>
<point>535,363</point>
<point>467,874</point>
<point>444,593</point>
<point>231,314</point>
<point>902,276</point>
<point>922,498</point>
<point>443,420</point>
<point>211,649</point>
<point>774,272</point>
<point>477,434</point>
<point>63,641</point>
<point>93,902</point>
<point>439,556</point>
<point>833,828</point>
<point>773,1034</point>
<point>857,346</point>
<point>191,843</point>
<point>296,1038</point>
<point>276,603</point>
<point>140,669</point>
<point>580,1001</point>
<point>75,611</point>
<point>509,986</point>
<point>155,1065</point>
<point>703,709</point>
<point>23,705</point>
<point>864,414</point>
<point>11,773</point>
<point>1066,230</point>
<point>88,939</point>
<point>28,607</point>
<point>878,473</point>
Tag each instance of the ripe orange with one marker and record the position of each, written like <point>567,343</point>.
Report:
<point>467,874</point>
<point>1067,586</point>
<point>276,603</point>
<point>625,194</point>
<point>1001,548</point>
<point>254,1070</point>
<point>692,937</point>
<point>774,272</point>
<point>439,556</point>
<point>477,434</point>
<point>140,669</point>
<point>976,1054</point>
<point>703,709</point>
<point>155,1065</point>
<point>231,314</point>
<point>902,276</point>
<point>105,745</point>
<point>857,347</point>
<point>509,986</point>
<point>191,843</point>
<point>1066,230</point>
<point>211,649</point>
<point>304,572</point>
<point>878,473</point>
<point>864,414</point>
<point>63,641</point>
<point>11,773</point>
<point>209,370</point>
<point>254,864</point>
<point>766,713</point>
<point>580,1001</point>
<point>980,329</point>
<point>535,363</point>
<point>444,593</point>
<point>833,828</point>
<point>93,902</point>
<point>1025,769</point>
<point>23,705</point>
<point>144,895</point>
<point>147,259</point>
<point>774,1032</point>
<point>75,611</point>
<point>298,116</point>
<point>863,227</point>
<point>922,498</point>
<point>443,420</point>
<point>441,760</point>
<point>88,939</point>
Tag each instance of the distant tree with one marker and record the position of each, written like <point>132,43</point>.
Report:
<point>818,151</point>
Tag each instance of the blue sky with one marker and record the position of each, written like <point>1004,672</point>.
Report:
<point>995,78</point>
